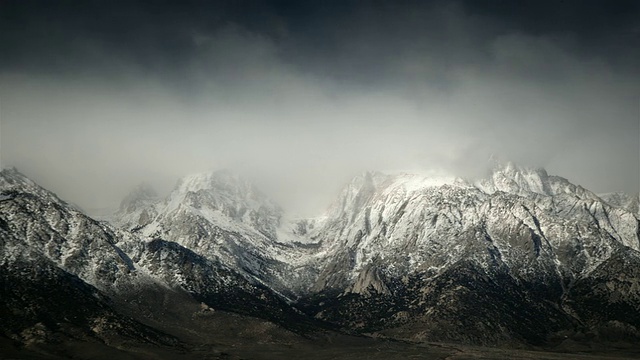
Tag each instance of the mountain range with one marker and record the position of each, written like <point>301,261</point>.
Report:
<point>520,259</point>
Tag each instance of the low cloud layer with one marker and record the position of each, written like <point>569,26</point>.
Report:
<point>305,98</point>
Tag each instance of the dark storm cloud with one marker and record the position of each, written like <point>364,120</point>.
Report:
<point>307,93</point>
<point>363,40</point>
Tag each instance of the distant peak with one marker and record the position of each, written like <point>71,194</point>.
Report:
<point>619,199</point>
<point>143,192</point>
<point>412,182</point>
<point>223,180</point>
<point>227,186</point>
<point>144,189</point>
<point>369,182</point>
<point>510,177</point>
<point>510,167</point>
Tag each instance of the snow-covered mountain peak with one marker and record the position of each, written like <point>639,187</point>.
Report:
<point>220,181</point>
<point>223,191</point>
<point>138,208</point>
<point>205,205</point>
<point>418,182</point>
<point>223,216</point>
<point>357,192</point>
<point>511,178</point>
<point>373,183</point>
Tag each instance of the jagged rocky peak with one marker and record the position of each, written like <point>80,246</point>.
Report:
<point>387,215</point>
<point>408,183</point>
<point>225,193</point>
<point>371,183</point>
<point>138,208</point>
<point>223,182</point>
<point>512,178</point>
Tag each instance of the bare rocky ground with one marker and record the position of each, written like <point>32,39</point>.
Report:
<point>205,333</point>
<point>331,347</point>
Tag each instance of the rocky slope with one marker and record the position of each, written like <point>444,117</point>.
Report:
<point>504,259</point>
<point>36,222</point>
<point>448,259</point>
<point>223,217</point>
<point>65,275</point>
<point>520,257</point>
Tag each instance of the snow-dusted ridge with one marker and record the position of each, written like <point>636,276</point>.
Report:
<point>417,243</point>
<point>223,216</point>
<point>41,230</point>
<point>38,221</point>
<point>411,222</point>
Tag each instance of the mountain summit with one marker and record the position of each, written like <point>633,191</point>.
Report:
<point>223,216</point>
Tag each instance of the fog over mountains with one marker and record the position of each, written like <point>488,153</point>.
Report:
<point>521,258</point>
<point>307,94</point>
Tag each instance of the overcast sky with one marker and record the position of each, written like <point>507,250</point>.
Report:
<point>97,96</point>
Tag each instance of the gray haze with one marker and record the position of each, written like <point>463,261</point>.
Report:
<point>98,98</point>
